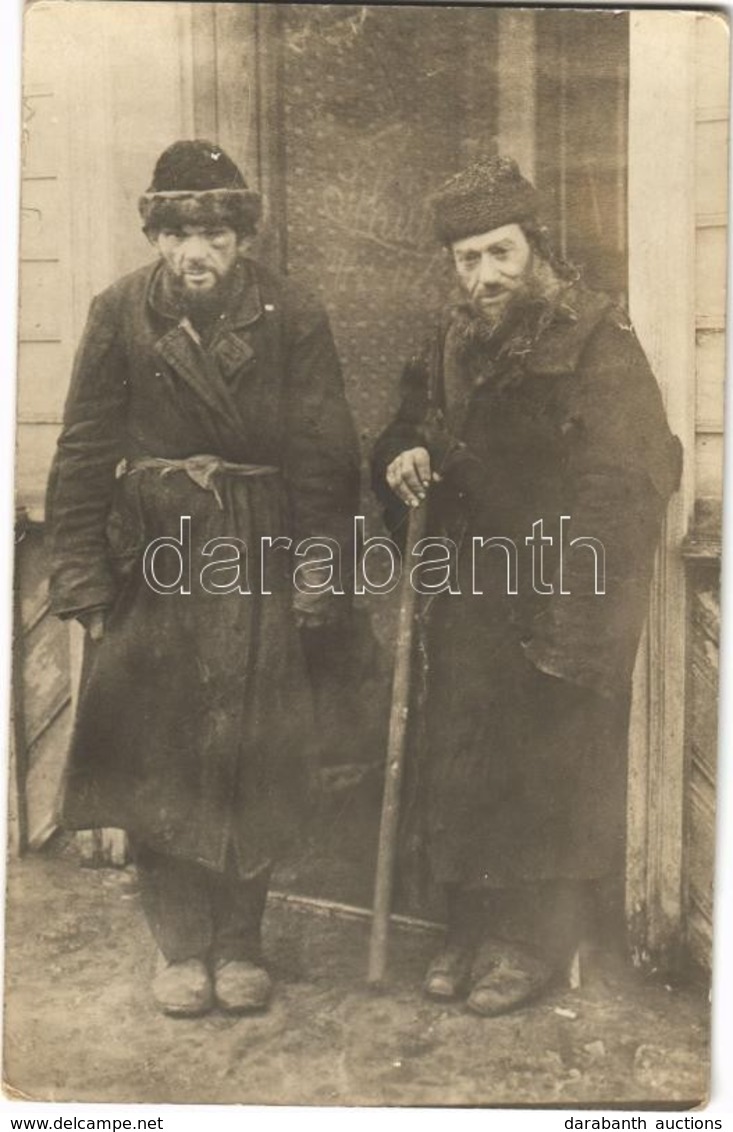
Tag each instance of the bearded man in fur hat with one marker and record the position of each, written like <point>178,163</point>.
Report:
<point>530,417</point>
<point>206,413</point>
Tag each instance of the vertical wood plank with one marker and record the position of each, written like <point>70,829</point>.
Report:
<point>235,79</point>
<point>18,811</point>
<point>516,60</point>
<point>205,110</point>
<point>662,303</point>
<point>271,134</point>
<point>89,175</point>
<point>184,39</point>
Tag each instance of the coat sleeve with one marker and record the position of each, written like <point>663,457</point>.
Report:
<point>420,423</point>
<point>321,448</point>
<point>405,431</point>
<point>622,468</point>
<point>82,478</point>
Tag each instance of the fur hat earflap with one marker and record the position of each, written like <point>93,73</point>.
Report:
<point>488,194</point>
<point>197,183</point>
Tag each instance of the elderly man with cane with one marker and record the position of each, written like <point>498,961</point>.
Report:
<point>530,419</point>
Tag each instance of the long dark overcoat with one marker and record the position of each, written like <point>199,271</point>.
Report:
<point>194,725</point>
<point>518,762</point>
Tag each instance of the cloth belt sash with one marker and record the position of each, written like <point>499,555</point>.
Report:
<point>204,470</point>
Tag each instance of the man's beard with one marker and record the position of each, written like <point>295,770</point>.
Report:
<point>208,302</point>
<point>480,333</point>
<point>479,329</point>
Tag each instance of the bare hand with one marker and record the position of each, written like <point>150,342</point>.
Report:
<point>410,475</point>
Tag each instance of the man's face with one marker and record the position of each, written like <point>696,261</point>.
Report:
<point>199,258</point>
<point>493,269</point>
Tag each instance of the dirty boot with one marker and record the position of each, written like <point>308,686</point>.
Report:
<point>448,975</point>
<point>241,986</point>
<point>182,989</point>
<point>507,975</point>
<point>535,932</point>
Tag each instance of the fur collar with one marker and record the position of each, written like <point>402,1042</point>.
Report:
<point>543,336</point>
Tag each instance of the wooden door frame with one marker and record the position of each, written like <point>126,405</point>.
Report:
<point>662,305</point>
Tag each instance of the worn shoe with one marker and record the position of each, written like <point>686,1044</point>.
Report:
<point>508,975</point>
<point>449,972</point>
<point>241,986</point>
<point>182,989</point>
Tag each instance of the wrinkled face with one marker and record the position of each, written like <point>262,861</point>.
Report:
<point>199,258</point>
<point>493,268</point>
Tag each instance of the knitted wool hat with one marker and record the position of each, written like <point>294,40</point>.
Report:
<point>488,194</point>
<point>195,182</point>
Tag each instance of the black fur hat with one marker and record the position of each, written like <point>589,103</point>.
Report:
<point>488,194</point>
<point>196,182</point>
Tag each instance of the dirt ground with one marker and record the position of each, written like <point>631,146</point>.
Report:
<point>79,1024</point>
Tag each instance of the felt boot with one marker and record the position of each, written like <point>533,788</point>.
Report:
<point>182,989</point>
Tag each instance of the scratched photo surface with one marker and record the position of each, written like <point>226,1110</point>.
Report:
<point>348,120</point>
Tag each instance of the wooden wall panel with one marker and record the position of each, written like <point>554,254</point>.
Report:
<point>46,677</point>
<point>711,61</point>
<point>40,218</point>
<point>708,464</point>
<point>702,702</point>
<point>43,689</point>
<point>711,157</point>
<point>710,385</point>
<point>40,316</point>
<point>43,139</point>
<point>44,366</point>
<point>710,270</point>
<point>45,776</point>
<point>46,278</point>
<point>35,446</point>
<point>711,178</point>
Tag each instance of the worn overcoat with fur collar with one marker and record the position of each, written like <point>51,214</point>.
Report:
<point>518,759</point>
<point>193,723</point>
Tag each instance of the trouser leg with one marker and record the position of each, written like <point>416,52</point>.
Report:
<point>560,919</point>
<point>238,908</point>
<point>176,897</point>
<point>198,913</point>
<point>467,916</point>
<point>547,916</point>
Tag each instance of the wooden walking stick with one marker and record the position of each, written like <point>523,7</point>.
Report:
<point>395,757</point>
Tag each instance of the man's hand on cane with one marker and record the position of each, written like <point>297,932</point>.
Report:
<point>410,474</point>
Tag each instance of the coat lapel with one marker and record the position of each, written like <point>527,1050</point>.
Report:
<point>232,354</point>
<point>180,351</point>
<point>574,318</point>
<point>208,372</point>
